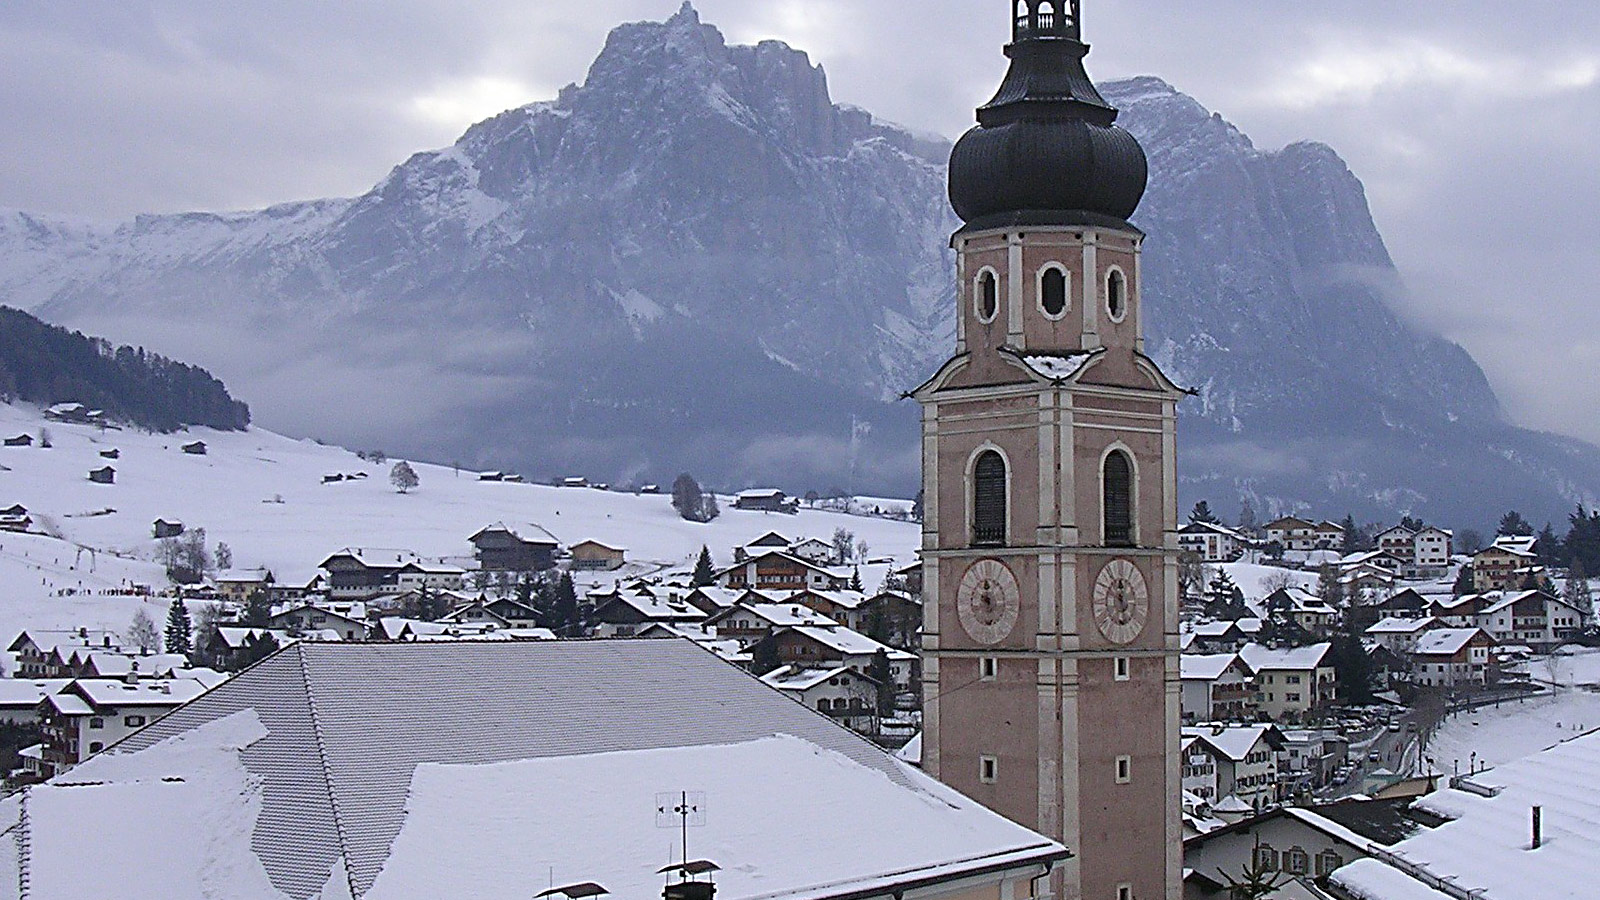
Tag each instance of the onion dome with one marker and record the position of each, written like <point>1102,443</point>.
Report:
<point>1046,150</point>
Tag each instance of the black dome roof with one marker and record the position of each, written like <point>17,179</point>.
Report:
<point>1046,150</point>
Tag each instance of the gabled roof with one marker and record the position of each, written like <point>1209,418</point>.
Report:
<point>1446,641</point>
<point>843,640</point>
<point>1205,666</point>
<point>799,678</point>
<point>778,615</point>
<point>527,533</point>
<point>1258,657</point>
<point>1236,741</point>
<point>1396,625</point>
<point>347,761</point>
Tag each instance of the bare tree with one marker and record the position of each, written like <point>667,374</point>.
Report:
<point>142,633</point>
<point>1279,579</point>
<point>844,544</point>
<point>403,477</point>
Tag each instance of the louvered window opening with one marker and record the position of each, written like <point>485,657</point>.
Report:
<point>989,501</point>
<point>988,296</point>
<point>1118,501</point>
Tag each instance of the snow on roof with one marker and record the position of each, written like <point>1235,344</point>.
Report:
<point>381,788</point>
<point>1258,657</point>
<point>660,607</point>
<point>1445,641</point>
<point>1485,846</point>
<point>1214,629</point>
<point>1232,804</point>
<point>1235,741</point>
<point>785,615</point>
<point>1215,529</point>
<point>1205,667</point>
<point>1056,366</point>
<point>1397,625</point>
<point>17,693</point>
<point>850,643</point>
<point>114,692</point>
<point>799,678</point>
<point>760,493</point>
<point>1371,879</point>
<point>912,751</point>
<point>1520,545</point>
<point>720,597</point>
<point>233,638</point>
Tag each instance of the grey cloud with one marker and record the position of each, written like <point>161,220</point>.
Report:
<point>1472,123</point>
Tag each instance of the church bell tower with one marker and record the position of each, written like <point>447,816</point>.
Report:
<point>1050,680</point>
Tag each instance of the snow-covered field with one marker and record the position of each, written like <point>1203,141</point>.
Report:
<point>262,494</point>
<point>1513,729</point>
<point>1252,578</point>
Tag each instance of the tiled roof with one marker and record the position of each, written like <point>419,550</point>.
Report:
<point>349,725</point>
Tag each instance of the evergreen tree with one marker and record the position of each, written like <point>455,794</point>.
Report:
<point>568,617</point>
<point>1548,546</point>
<point>878,670</point>
<point>1411,523</point>
<point>1577,592</point>
<point>1464,583</point>
<point>704,572</point>
<point>258,609</point>
<point>255,649</point>
<point>1329,588</point>
<point>403,477</point>
<point>764,656</point>
<point>1583,538</point>
<point>855,581</point>
<point>180,629</point>
<point>1353,669</point>
<point>1352,535</point>
<point>224,556</point>
<point>1512,524</point>
<point>1202,513</point>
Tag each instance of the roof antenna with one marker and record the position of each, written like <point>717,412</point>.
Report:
<point>681,810</point>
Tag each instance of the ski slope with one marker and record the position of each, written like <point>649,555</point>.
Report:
<point>262,494</point>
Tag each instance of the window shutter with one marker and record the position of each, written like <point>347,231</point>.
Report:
<point>1118,501</point>
<point>989,501</point>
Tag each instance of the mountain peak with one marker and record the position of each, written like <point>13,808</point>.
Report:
<point>686,14</point>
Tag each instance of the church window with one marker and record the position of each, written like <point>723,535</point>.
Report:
<point>988,296</point>
<point>1121,668</point>
<point>989,500</point>
<point>988,769</point>
<point>988,668</point>
<point>1124,769</point>
<point>1124,892</point>
<point>1118,500</point>
<point>1117,295</point>
<point>1053,291</point>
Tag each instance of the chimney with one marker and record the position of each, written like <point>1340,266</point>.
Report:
<point>690,890</point>
<point>1538,826</point>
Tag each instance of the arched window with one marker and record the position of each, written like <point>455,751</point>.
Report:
<point>1117,295</point>
<point>1118,500</point>
<point>988,299</point>
<point>989,501</point>
<point>1053,290</point>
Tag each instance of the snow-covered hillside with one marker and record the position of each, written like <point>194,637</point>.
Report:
<point>262,494</point>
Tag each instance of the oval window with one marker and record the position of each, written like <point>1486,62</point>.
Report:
<point>1116,295</point>
<point>1053,291</point>
<point>988,296</point>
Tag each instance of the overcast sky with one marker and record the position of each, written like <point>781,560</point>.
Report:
<point>1472,123</point>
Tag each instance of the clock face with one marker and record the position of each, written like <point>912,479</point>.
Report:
<point>988,601</point>
<point>1121,601</point>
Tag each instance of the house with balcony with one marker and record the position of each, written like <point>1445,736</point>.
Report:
<point>1245,758</point>
<point>88,715</point>
<point>840,692</point>
<point>1452,657</point>
<point>1291,682</point>
<point>1217,687</point>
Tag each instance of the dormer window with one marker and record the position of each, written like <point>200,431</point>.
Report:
<point>987,296</point>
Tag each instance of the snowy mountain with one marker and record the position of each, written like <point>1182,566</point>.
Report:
<point>263,495</point>
<point>697,261</point>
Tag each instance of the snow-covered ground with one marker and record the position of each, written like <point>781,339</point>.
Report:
<point>262,494</point>
<point>1513,729</point>
<point>1253,578</point>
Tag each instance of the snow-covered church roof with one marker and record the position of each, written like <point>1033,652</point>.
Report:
<point>473,770</point>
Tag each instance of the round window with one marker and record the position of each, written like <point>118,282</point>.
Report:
<point>1116,295</point>
<point>988,296</point>
<point>1053,291</point>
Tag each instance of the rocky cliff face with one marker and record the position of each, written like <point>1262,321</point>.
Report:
<point>696,260</point>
